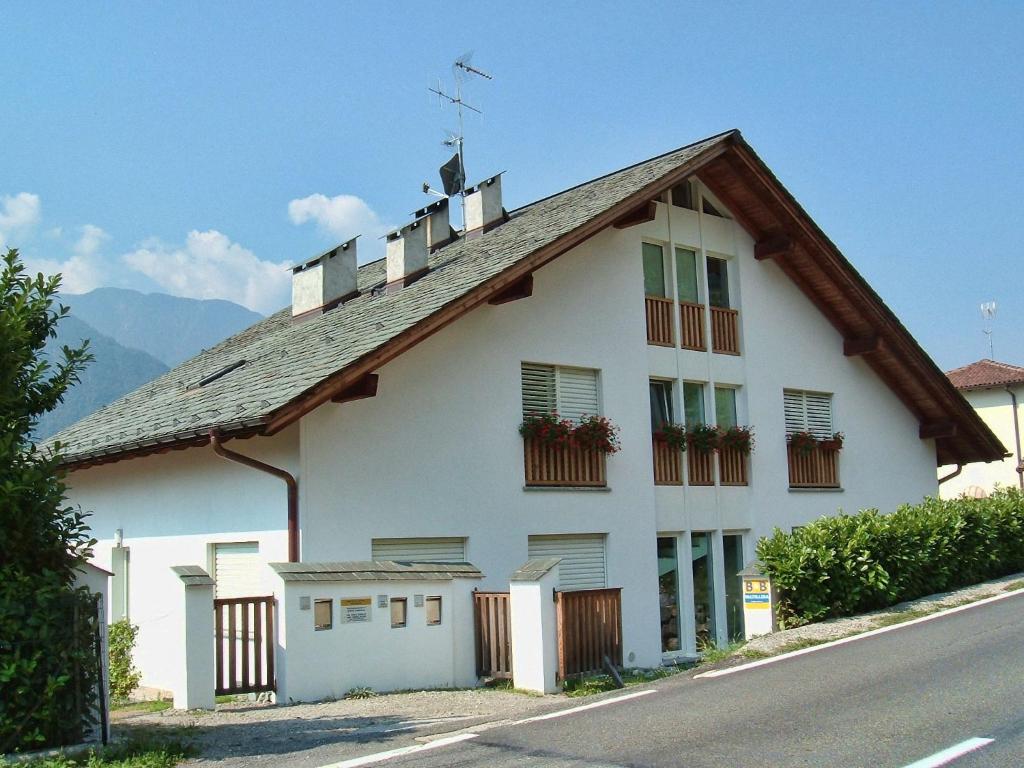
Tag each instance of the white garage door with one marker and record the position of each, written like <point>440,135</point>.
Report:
<point>429,550</point>
<point>237,569</point>
<point>583,558</point>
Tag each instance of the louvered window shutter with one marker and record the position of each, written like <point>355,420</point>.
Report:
<point>576,392</point>
<point>808,412</point>
<point>538,388</point>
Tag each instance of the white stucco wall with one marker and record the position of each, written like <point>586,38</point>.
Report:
<point>995,409</point>
<point>171,509</point>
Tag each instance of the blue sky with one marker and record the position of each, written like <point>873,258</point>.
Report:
<point>196,148</point>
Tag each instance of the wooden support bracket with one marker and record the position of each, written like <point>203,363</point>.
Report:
<point>639,215</point>
<point>361,388</point>
<point>521,289</point>
<point>861,345</point>
<point>933,430</point>
<point>772,247</point>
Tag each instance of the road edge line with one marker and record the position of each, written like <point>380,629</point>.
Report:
<point>584,707</point>
<point>949,754</point>
<point>859,636</point>
<point>378,757</point>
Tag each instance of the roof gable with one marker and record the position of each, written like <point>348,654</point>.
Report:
<point>986,373</point>
<point>292,368</point>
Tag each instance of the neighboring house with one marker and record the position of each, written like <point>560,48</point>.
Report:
<point>691,288</point>
<point>996,391</point>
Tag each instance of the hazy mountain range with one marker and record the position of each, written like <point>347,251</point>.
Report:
<point>134,337</point>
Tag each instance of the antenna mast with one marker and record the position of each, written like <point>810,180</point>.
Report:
<point>461,69</point>
<point>988,312</point>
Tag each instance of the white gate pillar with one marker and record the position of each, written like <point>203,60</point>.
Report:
<point>534,631</point>
<point>194,655</point>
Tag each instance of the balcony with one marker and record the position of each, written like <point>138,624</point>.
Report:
<point>659,321</point>
<point>814,468</point>
<point>732,467</point>
<point>668,463</point>
<point>568,466</point>
<point>725,337</point>
<point>700,467</point>
<point>691,324</point>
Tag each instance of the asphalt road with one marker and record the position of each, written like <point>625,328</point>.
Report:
<point>886,700</point>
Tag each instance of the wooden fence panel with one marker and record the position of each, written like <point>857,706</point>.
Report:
<point>700,467</point>
<point>659,321</point>
<point>589,625</point>
<point>725,335</point>
<point>732,467</point>
<point>244,638</point>
<point>563,465</point>
<point>817,468</point>
<point>668,464</point>
<point>493,625</point>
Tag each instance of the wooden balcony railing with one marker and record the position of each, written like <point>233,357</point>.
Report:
<point>569,466</point>
<point>691,325</point>
<point>725,335</point>
<point>659,321</point>
<point>818,468</point>
<point>732,467</point>
<point>668,463</point>
<point>700,467</point>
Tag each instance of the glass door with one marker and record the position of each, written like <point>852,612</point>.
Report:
<point>668,593</point>
<point>732,549</point>
<point>703,589</point>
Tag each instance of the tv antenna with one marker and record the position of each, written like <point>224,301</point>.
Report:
<point>453,173</point>
<point>988,312</point>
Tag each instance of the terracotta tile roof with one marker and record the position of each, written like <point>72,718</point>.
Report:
<point>986,373</point>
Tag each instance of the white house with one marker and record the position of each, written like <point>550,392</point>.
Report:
<point>688,288</point>
<point>996,391</point>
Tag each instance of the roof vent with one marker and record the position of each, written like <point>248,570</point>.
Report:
<point>483,206</point>
<point>326,281</point>
<point>407,253</point>
<point>439,230</point>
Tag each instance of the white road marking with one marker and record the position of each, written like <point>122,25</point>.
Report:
<point>574,710</point>
<point>947,756</point>
<point>861,636</point>
<point>378,757</point>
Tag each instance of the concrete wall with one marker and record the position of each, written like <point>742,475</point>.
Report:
<point>996,410</point>
<point>171,509</point>
<point>318,664</point>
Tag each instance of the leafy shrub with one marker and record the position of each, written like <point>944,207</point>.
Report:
<point>124,677</point>
<point>360,693</point>
<point>840,566</point>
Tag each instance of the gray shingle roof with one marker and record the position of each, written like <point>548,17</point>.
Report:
<point>376,570</point>
<point>285,359</point>
<point>193,575</point>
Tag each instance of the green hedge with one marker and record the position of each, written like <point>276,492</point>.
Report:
<point>840,566</point>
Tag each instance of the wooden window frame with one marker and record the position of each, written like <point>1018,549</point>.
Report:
<point>404,602</point>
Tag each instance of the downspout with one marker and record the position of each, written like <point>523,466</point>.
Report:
<point>1016,437</point>
<point>289,480</point>
<point>951,475</point>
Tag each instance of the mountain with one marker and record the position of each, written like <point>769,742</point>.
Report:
<point>169,328</point>
<point>115,371</point>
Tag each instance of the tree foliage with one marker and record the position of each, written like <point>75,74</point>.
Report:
<point>47,626</point>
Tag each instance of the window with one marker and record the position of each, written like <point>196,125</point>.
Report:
<point>703,590</point>
<point>693,403</point>
<point>661,404</point>
<point>708,207</point>
<point>668,593</point>
<point>686,275</point>
<point>424,550</point>
<point>433,605</point>
<point>682,195</point>
<point>808,412</point>
<point>725,407</point>
<point>718,282</point>
<point>569,392</point>
<point>654,270</point>
<point>732,550</point>
<point>323,614</point>
<point>398,611</point>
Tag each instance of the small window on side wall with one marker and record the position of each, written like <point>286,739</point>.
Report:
<point>323,614</point>
<point>398,611</point>
<point>433,606</point>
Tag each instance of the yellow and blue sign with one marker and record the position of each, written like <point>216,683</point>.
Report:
<point>755,595</point>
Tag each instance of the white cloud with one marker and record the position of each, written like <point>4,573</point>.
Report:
<point>210,266</point>
<point>341,216</point>
<point>90,241</point>
<point>18,213</point>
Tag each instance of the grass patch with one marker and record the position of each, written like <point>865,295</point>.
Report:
<point>157,705</point>
<point>589,686</point>
<point>1014,585</point>
<point>712,653</point>
<point>141,750</point>
<point>225,698</point>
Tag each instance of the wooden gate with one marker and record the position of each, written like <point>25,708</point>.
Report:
<point>589,628</point>
<point>492,612</point>
<point>244,651</point>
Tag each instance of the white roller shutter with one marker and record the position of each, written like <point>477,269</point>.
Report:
<point>583,558</point>
<point>570,392</point>
<point>430,550</point>
<point>236,569</point>
<point>538,388</point>
<point>808,412</point>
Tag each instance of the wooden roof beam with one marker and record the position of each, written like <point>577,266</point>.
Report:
<point>862,345</point>
<point>521,289</point>
<point>360,389</point>
<point>639,215</point>
<point>773,247</point>
<point>936,430</point>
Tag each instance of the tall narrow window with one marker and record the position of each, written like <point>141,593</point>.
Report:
<point>398,611</point>
<point>718,282</point>
<point>725,407</point>
<point>661,404</point>
<point>433,605</point>
<point>732,551</point>
<point>569,392</point>
<point>654,270</point>
<point>686,275</point>
<point>682,195</point>
<point>693,403</point>
<point>703,590</point>
<point>668,592</point>
<point>808,412</point>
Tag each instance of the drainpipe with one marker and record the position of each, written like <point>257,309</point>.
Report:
<point>951,475</point>
<point>289,479</point>
<point>1016,437</point>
